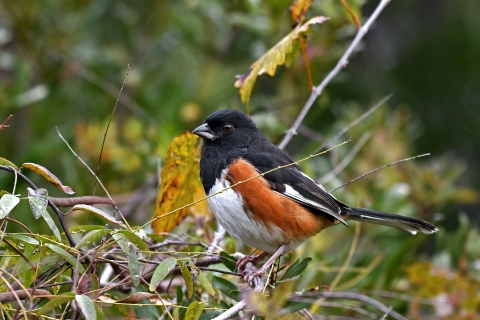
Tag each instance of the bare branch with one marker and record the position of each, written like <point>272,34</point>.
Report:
<point>5,125</point>
<point>342,63</point>
<point>70,202</point>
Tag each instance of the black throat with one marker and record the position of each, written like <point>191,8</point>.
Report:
<point>216,156</point>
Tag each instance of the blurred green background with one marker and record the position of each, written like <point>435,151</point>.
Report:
<point>62,64</point>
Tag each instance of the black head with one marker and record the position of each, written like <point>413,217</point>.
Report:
<point>230,127</point>
<point>227,135</point>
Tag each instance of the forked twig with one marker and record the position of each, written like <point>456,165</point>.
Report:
<point>342,63</point>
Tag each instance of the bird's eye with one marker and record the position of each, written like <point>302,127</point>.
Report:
<point>227,127</point>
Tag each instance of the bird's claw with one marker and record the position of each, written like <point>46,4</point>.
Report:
<point>254,278</point>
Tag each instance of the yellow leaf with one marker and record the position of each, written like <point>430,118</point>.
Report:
<point>299,8</point>
<point>274,57</point>
<point>180,184</point>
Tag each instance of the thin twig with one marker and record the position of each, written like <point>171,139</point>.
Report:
<point>4,125</point>
<point>351,296</point>
<point>241,304</point>
<point>354,122</point>
<point>345,161</point>
<point>96,178</point>
<point>108,126</point>
<point>217,239</point>
<point>380,168</point>
<point>342,63</point>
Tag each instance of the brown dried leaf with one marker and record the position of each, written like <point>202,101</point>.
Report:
<point>180,184</point>
<point>50,177</point>
<point>274,57</point>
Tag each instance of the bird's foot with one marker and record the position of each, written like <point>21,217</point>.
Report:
<point>242,262</point>
<point>254,277</point>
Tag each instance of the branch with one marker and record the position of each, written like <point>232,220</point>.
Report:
<point>24,294</point>
<point>342,63</point>
<point>4,125</point>
<point>217,239</point>
<point>50,203</point>
<point>70,202</point>
<point>241,304</point>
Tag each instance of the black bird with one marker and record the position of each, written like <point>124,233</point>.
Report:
<point>280,210</point>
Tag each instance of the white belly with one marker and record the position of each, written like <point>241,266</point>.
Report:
<point>229,210</point>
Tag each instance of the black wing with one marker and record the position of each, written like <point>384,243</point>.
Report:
<point>293,183</point>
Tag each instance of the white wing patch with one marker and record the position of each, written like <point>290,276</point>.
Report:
<point>295,195</point>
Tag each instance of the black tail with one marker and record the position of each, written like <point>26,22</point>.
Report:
<point>411,225</point>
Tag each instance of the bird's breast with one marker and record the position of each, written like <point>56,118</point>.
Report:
<point>256,215</point>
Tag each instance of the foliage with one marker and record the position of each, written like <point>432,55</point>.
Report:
<point>61,64</point>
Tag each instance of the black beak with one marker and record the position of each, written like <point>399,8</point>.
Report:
<point>204,132</point>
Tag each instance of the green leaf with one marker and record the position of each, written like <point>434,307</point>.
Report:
<point>206,284</point>
<point>179,293</point>
<point>8,163</point>
<point>99,312</point>
<point>60,299</point>
<point>7,203</point>
<point>296,268</point>
<point>122,242</point>
<point>187,276</point>
<point>294,306</point>
<point>92,236</point>
<point>85,228</point>
<point>23,238</point>
<point>99,213</point>
<point>162,270</point>
<point>50,177</point>
<point>136,240</point>
<point>67,256</point>
<point>228,288</point>
<point>133,266</point>
<point>194,310</point>
<point>87,306</point>
<point>41,196</point>
<point>229,261</point>
<point>41,209</point>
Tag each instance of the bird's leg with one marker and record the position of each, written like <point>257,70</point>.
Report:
<point>242,262</point>
<point>260,272</point>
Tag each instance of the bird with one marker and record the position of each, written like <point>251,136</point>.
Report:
<point>274,211</point>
